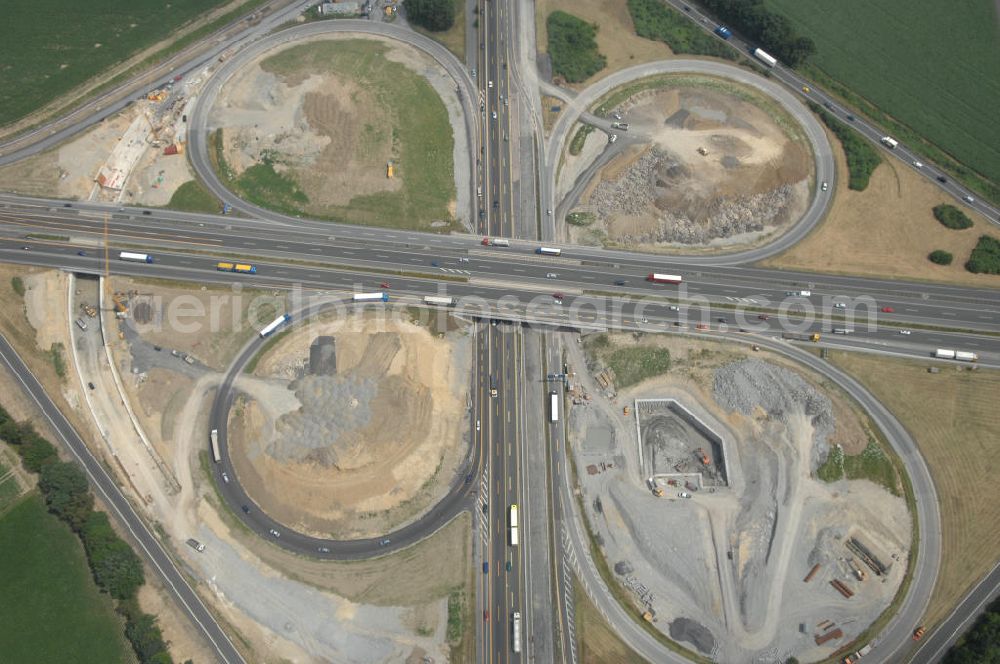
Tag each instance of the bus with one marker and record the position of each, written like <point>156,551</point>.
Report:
<point>548,251</point>
<point>242,268</point>
<point>215,446</point>
<point>664,278</point>
<point>371,297</point>
<point>516,633</point>
<point>275,324</point>
<point>553,406</point>
<point>135,258</point>
<point>439,300</point>
<point>765,57</point>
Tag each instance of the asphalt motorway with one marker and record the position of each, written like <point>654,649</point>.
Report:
<point>110,494</point>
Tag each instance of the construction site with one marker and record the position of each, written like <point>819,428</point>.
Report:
<point>725,448</point>
<point>698,163</point>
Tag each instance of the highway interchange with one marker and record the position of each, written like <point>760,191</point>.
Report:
<point>599,289</point>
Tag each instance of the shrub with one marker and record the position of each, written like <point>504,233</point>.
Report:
<point>862,158</point>
<point>572,47</point>
<point>143,633</point>
<point>952,217</point>
<point>940,257</point>
<point>18,285</point>
<point>980,644</point>
<point>985,258</point>
<point>67,493</point>
<point>434,15</point>
<point>116,567</point>
<point>579,138</point>
<point>755,21</point>
<point>655,20</point>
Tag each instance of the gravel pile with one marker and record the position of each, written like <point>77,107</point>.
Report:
<point>331,405</point>
<point>655,174</point>
<point>745,385</point>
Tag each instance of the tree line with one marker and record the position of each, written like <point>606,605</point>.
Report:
<point>772,31</point>
<point>116,568</point>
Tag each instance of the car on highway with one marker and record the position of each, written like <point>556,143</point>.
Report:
<point>246,509</point>
<point>324,549</point>
<point>81,253</point>
<point>508,566</point>
<point>486,567</point>
<point>620,282</point>
<point>825,186</point>
<point>762,317</point>
<point>434,264</point>
<point>486,508</point>
<point>225,478</point>
<point>384,284</point>
<point>486,616</point>
<point>549,212</point>
<point>839,305</point>
<point>850,117</point>
<point>494,115</point>
<point>674,307</point>
<point>888,310</point>
<point>385,542</point>
<point>274,533</point>
<point>968,199</point>
<point>684,494</point>
<point>67,205</point>
<point>477,425</point>
<point>918,633</point>
<point>473,72</point>
<point>942,178</point>
<point>490,84</point>
<point>906,332</point>
<point>644,320</point>
<point>918,164</point>
<point>551,275</point>
<point>721,319</point>
<point>805,89</point>
<point>25,248</point>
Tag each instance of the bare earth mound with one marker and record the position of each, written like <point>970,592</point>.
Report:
<point>356,447</point>
<point>712,167</point>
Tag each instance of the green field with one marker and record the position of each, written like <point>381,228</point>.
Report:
<point>421,136</point>
<point>193,196</point>
<point>51,609</point>
<point>48,47</point>
<point>932,66</point>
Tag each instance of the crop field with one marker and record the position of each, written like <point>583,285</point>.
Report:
<point>932,66</point>
<point>52,611</point>
<point>48,47</point>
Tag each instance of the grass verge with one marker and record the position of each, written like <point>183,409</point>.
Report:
<point>862,158</point>
<point>872,464</point>
<point>193,196</point>
<point>596,642</point>
<point>452,39</point>
<point>658,21</point>
<point>579,138</point>
<point>51,605</point>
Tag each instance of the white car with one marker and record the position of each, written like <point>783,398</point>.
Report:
<point>494,115</point>
<point>673,307</point>
<point>825,186</point>
<point>477,425</point>
<point>644,320</point>
<point>684,494</point>
<point>839,305</point>
<point>491,84</point>
<point>549,212</point>
<point>968,199</point>
<point>275,533</point>
<point>473,72</point>
<point>918,164</point>
<point>551,275</point>
<point>906,332</point>
<point>225,478</point>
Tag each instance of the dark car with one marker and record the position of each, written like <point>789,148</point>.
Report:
<point>942,178</point>
<point>486,567</point>
<point>81,253</point>
<point>385,542</point>
<point>146,212</point>
<point>496,204</point>
<point>246,509</point>
<point>90,385</point>
<point>620,282</point>
<point>508,565</point>
<point>67,205</point>
<point>721,319</point>
<point>850,117</point>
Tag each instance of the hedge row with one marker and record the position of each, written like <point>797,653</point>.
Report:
<point>772,31</point>
<point>116,568</point>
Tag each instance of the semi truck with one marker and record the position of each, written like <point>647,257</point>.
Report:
<point>553,406</point>
<point>765,57</point>
<point>242,268</point>
<point>889,142</point>
<point>664,278</point>
<point>852,658</point>
<point>548,251</point>
<point>493,386</point>
<point>274,325</point>
<point>371,297</point>
<point>134,257</point>
<point>801,336</point>
<point>724,32</point>
<point>495,242</point>
<point>960,355</point>
<point>439,300</point>
<point>215,446</point>
<point>515,636</point>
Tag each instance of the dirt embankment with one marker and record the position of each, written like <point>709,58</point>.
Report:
<point>712,168</point>
<point>362,445</point>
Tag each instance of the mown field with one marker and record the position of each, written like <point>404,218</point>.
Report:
<point>930,65</point>
<point>952,417</point>
<point>51,610</point>
<point>48,47</point>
